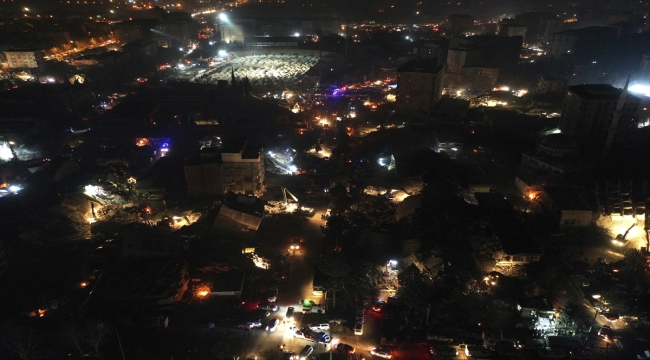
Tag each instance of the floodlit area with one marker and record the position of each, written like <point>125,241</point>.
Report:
<point>625,233</point>
<point>278,69</point>
<point>282,161</point>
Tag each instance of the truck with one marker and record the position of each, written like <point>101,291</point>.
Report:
<point>318,285</point>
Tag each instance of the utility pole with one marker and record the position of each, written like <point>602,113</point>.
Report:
<point>347,25</point>
<point>120,343</point>
<point>593,321</point>
<point>320,56</point>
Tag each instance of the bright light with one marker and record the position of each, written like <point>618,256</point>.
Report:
<point>640,89</point>
<point>181,66</point>
<point>202,292</point>
<point>222,53</point>
<point>91,190</point>
<point>296,34</point>
<point>91,220</point>
<point>26,9</point>
<point>83,284</point>
<point>293,168</point>
<point>5,152</point>
<point>223,17</point>
<point>180,49</point>
<point>14,188</point>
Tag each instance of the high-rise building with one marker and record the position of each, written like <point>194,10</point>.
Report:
<point>459,24</point>
<point>510,28</point>
<point>459,56</point>
<point>582,42</point>
<point>238,168</point>
<point>232,33</point>
<point>176,34</point>
<point>432,49</point>
<point>419,85</point>
<point>598,116</point>
<point>24,58</point>
<point>540,26</point>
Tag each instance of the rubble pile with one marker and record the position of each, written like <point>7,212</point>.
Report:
<point>261,69</point>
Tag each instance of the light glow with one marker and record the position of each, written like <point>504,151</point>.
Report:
<point>92,190</point>
<point>640,89</point>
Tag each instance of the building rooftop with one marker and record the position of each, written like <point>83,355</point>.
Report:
<point>566,199</point>
<point>537,302</point>
<point>494,204</point>
<point>272,39</point>
<point>596,91</point>
<point>558,141</point>
<point>421,66</point>
<point>23,50</point>
<point>100,56</point>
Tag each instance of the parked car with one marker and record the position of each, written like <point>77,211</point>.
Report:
<point>272,296</point>
<point>345,348</point>
<point>535,343</point>
<point>322,326</point>
<point>548,353</point>
<point>268,306</point>
<point>439,337</point>
<point>477,351</point>
<point>581,280</point>
<point>273,325</point>
<point>289,314</point>
<point>379,306</point>
<point>360,317</point>
<point>382,353</point>
<point>251,324</point>
<point>611,317</point>
<point>606,332</point>
<point>306,352</point>
<point>443,351</point>
<point>358,328</point>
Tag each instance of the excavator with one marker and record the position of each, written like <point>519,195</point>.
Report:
<point>621,239</point>
<point>303,210</point>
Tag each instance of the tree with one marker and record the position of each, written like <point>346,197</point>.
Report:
<point>246,84</point>
<point>19,340</point>
<point>570,315</point>
<point>87,334</point>
<point>415,286</point>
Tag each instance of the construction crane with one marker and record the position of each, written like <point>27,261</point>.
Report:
<point>284,194</point>
<point>621,239</point>
<point>303,210</point>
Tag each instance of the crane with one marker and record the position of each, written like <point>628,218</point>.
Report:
<point>621,239</point>
<point>285,191</point>
<point>303,210</point>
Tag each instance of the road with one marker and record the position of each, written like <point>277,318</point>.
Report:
<point>299,287</point>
